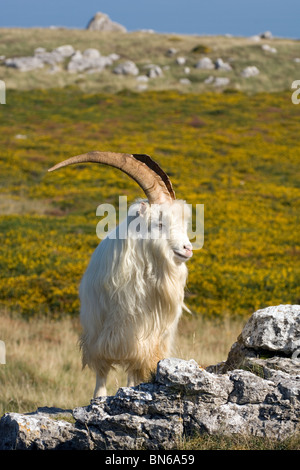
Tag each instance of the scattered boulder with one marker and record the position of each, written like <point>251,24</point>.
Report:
<point>102,22</point>
<point>209,80</point>
<point>221,81</point>
<point>256,391</point>
<point>126,68</point>
<point>91,53</point>
<point>266,35</point>
<point>250,71</point>
<point>142,78</point>
<point>89,60</point>
<point>275,329</point>
<point>267,48</point>
<point>25,64</point>
<point>65,51</point>
<point>171,52</point>
<point>271,338</point>
<point>46,429</point>
<point>56,56</point>
<point>221,65</point>
<point>185,81</point>
<point>180,60</point>
<point>153,71</point>
<point>255,38</point>
<point>205,63</point>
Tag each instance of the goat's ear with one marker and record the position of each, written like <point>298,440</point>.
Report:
<point>142,209</point>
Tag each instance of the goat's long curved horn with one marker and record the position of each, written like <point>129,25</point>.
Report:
<point>145,171</point>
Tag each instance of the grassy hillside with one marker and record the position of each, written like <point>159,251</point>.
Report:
<point>277,70</point>
<point>235,150</point>
<point>235,154</point>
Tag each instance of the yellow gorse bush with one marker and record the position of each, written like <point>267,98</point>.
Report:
<point>235,154</point>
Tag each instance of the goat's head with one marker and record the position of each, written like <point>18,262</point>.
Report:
<point>164,217</point>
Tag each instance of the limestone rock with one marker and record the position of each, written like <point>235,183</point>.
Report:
<point>87,61</point>
<point>221,65</point>
<point>221,81</point>
<point>180,60</point>
<point>270,340</point>
<point>91,53</point>
<point>251,393</point>
<point>153,71</point>
<point>24,64</point>
<point>274,329</point>
<point>41,431</point>
<point>171,52</point>
<point>90,61</point>
<point>185,81</point>
<point>266,47</point>
<point>102,22</point>
<point>126,68</point>
<point>250,71</point>
<point>205,63</point>
<point>65,51</point>
<point>266,35</point>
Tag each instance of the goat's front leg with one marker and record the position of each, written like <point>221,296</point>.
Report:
<point>100,389</point>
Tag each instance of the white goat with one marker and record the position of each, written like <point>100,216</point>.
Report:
<point>132,293</point>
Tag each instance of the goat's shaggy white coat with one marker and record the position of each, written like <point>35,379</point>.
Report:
<point>132,296</point>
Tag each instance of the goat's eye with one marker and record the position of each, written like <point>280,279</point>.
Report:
<point>160,225</point>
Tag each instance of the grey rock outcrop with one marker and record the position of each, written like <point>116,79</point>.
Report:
<point>126,68</point>
<point>255,391</point>
<point>205,63</point>
<point>90,60</point>
<point>102,22</point>
<point>269,342</point>
<point>24,64</point>
<point>40,58</point>
<point>221,65</point>
<point>250,71</point>
<point>153,71</point>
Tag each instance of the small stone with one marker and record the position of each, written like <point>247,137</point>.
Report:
<point>205,63</point>
<point>185,81</point>
<point>91,53</point>
<point>209,80</point>
<point>221,65</point>
<point>221,81</point>
<point>154,71</point>
<point>250,71</point>
<point>180,60</point>
<point>65,51</point>
<point>266,47</point>
<point>266,35</point>
<point>126,68</point>
<point>171,52</point>
<point>25,64</point>
<point>142,78</point>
